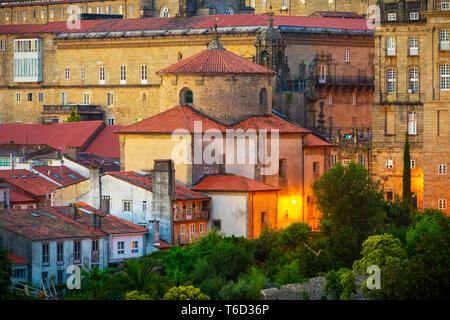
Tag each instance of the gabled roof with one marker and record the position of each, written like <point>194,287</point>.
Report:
<point>216,61</point>
<point>88,160</point>
<point>314,141</point>
<point>29,182</point>
<point>143,179</point>
<point>56,135</point>
<point>106,144</point>
<point>232,183</point>
<point>60,174</point>
<point>114,27</point>
<point>15,259</point>
<point>45,224</point>
<point>19,197</point>
<point>183,117</point>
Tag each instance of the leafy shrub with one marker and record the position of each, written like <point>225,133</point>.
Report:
<point>185,293</point>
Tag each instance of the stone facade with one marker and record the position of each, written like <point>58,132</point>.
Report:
<point>417,104</point>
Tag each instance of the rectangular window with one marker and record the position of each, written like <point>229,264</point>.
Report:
<point>2,45</point>
<point>131,9</point>
<point>192,229</point>
<point>354,98</point>
<point>109,99</point>
<point>264,221</point>
<point>123,74</point>
<point>120,247</point>
<point>52,14</point>
<point>316,167</point>
<point>442,169</point>
<point>413,46</point>
<point>333,159</point>
<point>412,123</point>
<point>24,15</point>
<point>444,40</point>
<point>282,169</point>
<point>59,252</point>
<point>202,228</point>
<point>41,97</point>
<point>217,224</point>
<point>144,74</point>
<point>414,16</point>
<point>445,5</point>
<point>109,9</point>
<point>99,10</point>
<point>391,81</point>
<point>126,205</point>
<point>134,247</point>
<point>64,98</point>
<point>86,98</point>
<point>390,46</point>
<point>101,75</point>
<point>182,229</point>
<point>83,73</point>
<point>144,206</point>
<point>18,97</point>
<point>95,245</point>
<point>20,273</point>
<point>45,255</point>
<point>66,73</point>
<point>60,276</point>
<point>77,252</point>
<point>27,60</point>
<point>392,16</point>
<point>442,204</point>
<point>42,14</point>
<point>345,161</point>
<point>444,71</point>
<point>61,13</point>
<point>44,275</point>
<point>362,160</point>
<point>30,96</point>
<point>347,55</point>
<point>322,74</point>
<point>413,81</point>
<point>330,98</point>
<point>389,164</point>
<point>413,164</point>
<point>389,195</point>
<point>111,121</point>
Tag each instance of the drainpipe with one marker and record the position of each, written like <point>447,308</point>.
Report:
<point>432,59</point>
<point>303,179</point>
<point>252,195</point>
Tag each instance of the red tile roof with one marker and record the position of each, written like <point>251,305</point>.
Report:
<point>57,135</point>
<point>314,141</point>
<point>45,224</point>
<point>106,144</point>
<point>196,22</point>
<point>216,61</point>
<point>183,117</point>
<point>230,183</point>
<point>19,197</point>
<point>29,182</point>
<point>144,181</point>
<point>60,174</point>
<point>15,259</point>
<point>88,160</point>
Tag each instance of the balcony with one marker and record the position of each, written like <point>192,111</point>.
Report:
<point>59,113</point>
<point>411,98</point>
<point>195,215</point>
<point>355,80</point>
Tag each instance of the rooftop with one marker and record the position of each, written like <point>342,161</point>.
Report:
<point>183,117</point>
<point>60,174</point>
<point>15,259</point>
<point>143,179</point>
<point>180,26</point>
<point>314,141</point>
<point>230,183</point>
<point>19,197</point>
<point>216,61</point>
<point>106,144</point>
<point>29,182</point>
<point>88,160</point>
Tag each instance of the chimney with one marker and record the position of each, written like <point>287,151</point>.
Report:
<point>95,221</point>
<point>163,178</point>
<point>73,152</point>
<point>156,239</point>
<point>104,205</point>
<point>95,187</point>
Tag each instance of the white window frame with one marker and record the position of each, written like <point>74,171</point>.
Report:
<point>120,247</point>
<point>202,228</point>
<point>3,45</point>
<point>123,74</point>
<point>111,121</point>
<point>322,73</point>
<point>144,206</point>
<point>413,16</point>
<point>66,73</point>
<point>391,81</point>
<point>413,80</point>
<point>442,204</point>
<point>444,41</point>
<point>391,46</point>
<point>354,98</point>
<point>183,229</point>
<point>442,169</point>
<point>134,246</point>
<point>330,98</point>
<point>83,73</point>
<point>333,159</point>
<point>444,77</point>
<point>124,205</point>
<point>86,98</point>
<point>110,98</point>
<point>18,97</point>
<point>64,98</point>
<point>392,16</point>
<point>445,5</point>
<point>389,163</point>
<point>412,164</point>
<point>131,9</point>
<point>414,46</point>
<point>101,75</point>
<point>347,55</point>
<point>144,74</point>
<point>165,12</point>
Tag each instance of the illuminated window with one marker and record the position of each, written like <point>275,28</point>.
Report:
<point>134,247</point>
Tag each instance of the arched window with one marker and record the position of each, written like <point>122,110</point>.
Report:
<point>165,12</point>
<point>263,97</point>
<point>180,56</point>
<point>186,97</point>
<point>229,10</point>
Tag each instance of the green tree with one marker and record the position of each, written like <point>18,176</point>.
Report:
<point>137,295</point>
<point>427,247</point>
<point>340,284</point>
<point>386,252</point>
<point>185,293</point>
<point>73,116</point>
<point>5,274</point>
<point>406,173</point>
<point>293,236</point>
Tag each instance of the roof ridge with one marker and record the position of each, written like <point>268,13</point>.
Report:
<point>224,61</point>
<point>186,120</point>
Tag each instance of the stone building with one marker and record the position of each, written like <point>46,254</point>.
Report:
<point>412,96</point>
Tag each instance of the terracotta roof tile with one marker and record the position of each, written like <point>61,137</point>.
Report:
<point>216,61</point>
<point>29,182</point>
<point>143,179</point>
<point>60,174</point>
<point>106,144</point>
<point>315,141</point>
<point>230,183</point>
<point>15,259</point>
<point>19,197</point>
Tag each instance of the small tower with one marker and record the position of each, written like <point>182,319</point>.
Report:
<point>270,47</point>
